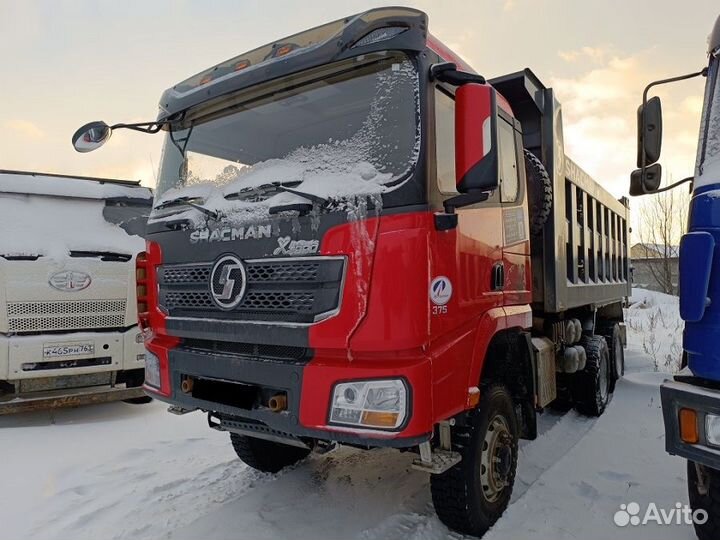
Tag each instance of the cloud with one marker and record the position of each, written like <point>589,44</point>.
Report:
<point>599,115</point>
<point>595,54</point>
<point>25,128</point>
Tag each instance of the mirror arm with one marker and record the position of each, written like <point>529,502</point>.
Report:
<point>144,127</point>
<point>703,72</point>
<point>448,72</point>
<point>465,199</point>
<point>676,184</point>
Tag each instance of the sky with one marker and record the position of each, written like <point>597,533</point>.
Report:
<point>65,63</point>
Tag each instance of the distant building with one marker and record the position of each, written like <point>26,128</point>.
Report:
<point>647,265</point>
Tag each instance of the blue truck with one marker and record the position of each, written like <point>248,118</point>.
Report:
<point>691,402</point>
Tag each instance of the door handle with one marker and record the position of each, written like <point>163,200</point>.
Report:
<point>498,276</point>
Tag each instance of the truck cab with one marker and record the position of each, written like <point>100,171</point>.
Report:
<point>691,401</point>
<point>68,319</point>
<point>358,239</point>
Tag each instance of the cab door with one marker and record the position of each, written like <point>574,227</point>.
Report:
<point>460,267</point>
<point>513,271</point>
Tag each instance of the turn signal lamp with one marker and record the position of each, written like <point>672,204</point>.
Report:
<point>689,432</point>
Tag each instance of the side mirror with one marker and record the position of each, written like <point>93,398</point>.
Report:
<point>91,136</point>
<point>649,132</point>
<point>644,181</point>
<point>476,139</point>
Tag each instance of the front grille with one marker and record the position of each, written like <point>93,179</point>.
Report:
<point>187,273</point>
<point>299,271</point>
<point>253,350</point>
<point>65,315</point>
<point>277,290</point>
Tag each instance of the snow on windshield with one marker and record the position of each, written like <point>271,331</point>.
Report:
<point>708,163</point>
<point>340,170</point>
<point>37,225</point>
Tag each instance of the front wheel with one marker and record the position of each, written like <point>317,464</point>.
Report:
<point>266,456</point>
<point>471,496</point>
<point>704,492</point>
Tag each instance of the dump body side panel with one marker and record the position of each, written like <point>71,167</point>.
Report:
<point>581,258</point>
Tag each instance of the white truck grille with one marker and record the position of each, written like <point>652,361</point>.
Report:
<point>65,315</point>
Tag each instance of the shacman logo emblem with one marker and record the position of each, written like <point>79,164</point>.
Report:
<point>227,282</point>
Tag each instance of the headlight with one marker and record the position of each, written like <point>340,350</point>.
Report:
<point>152,370</point>
<point>712,429</point>
<point>370,404</point>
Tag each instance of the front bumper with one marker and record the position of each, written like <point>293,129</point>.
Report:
<point>308,386</point>
<point>69,398</point>
<point>22,358</point>
<point>678,395</point>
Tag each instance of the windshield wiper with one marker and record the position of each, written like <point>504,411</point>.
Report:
<point>188,201</point>
<point>262,189</point>
<point>286,187</point>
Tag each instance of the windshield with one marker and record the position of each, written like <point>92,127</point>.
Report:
<point>45,226</point>
<point>346,130</point>
<point>708,159</point>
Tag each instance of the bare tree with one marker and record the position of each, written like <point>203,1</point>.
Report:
<point>663,220</point>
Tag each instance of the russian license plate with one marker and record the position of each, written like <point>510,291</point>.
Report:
<point>60,350</point>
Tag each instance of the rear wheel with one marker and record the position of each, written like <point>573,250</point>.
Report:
<point>591,387</point>
<point>617,355</point>
<point>470,497</point>
<point>266,456</point>
<point>704,492</point>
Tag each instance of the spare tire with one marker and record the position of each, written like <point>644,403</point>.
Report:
<point>540,193</point>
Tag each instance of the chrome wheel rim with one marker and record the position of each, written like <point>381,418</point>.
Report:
<point>496,459</point>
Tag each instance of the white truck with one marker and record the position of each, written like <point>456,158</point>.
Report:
<point>68,316</point>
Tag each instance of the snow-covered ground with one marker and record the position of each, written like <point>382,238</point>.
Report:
<point>121,471</point>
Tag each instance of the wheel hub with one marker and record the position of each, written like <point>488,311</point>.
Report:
<point>496,460</point>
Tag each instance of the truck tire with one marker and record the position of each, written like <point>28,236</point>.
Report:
<point>705,499</point>
<point>591,386</point>
<point>134,379</point>
<point>266,456</point>
<point>540,193</point>
<point>470,497</point>
<point>617,355</point>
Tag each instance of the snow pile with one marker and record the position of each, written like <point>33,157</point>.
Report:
<point>654,330</point>
<point>34,225</point>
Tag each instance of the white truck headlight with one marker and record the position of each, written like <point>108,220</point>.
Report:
<point>152,370</point>
<point>712,430</point>
<point>378,404</point>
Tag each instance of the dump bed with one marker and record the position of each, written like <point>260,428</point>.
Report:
<point>581,258</point>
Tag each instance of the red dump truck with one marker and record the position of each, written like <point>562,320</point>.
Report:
<point>357,239</point>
